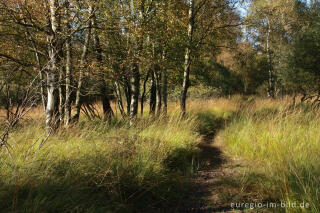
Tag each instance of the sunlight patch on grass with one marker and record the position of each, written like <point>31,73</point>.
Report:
<point>282,143</point>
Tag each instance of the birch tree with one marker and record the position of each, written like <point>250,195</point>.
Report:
<point>68,76</point>
<point>187,60</point>
<point>53,67</point>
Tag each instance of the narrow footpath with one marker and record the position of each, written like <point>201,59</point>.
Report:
<point>217,185</point>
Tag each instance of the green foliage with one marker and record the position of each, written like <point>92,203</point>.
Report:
<point>291,30</point>
<point>252,68</point>
<point>303,67</point>
<point>212,74</point>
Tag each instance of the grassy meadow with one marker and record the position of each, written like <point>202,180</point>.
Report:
<point>111,167</point>
<point>97,167</point>
<point>280,144</point>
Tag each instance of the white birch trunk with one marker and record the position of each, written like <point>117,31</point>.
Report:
<point>187,61</point>
<point>53,70</point>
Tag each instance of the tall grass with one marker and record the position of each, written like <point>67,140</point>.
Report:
<point>98,167</point>
<point>280,142</point>
<point>111,167</point>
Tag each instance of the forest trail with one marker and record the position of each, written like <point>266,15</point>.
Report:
<point>216,184</point>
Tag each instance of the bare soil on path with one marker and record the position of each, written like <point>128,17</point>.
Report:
<point>217,184</point>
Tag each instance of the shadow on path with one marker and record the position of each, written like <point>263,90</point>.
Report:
<point>216,183</point>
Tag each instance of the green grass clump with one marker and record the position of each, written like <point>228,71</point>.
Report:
<point>281,143</point>
<point>98,167</point>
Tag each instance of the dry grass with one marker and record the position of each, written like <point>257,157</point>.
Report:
<point>100,167</point>
<point>280,142</point>
<point>97,166</point>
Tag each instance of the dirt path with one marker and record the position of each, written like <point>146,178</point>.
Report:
<point>217,184</point>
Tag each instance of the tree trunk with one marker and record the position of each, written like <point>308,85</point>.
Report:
<point>165,92</point>
<point>158,89</point>
<point>82,64</point>
<point>42,89</point>
<point>271,76</point>
<point>135,87</point>
<point>67,109</point>
<point>53,69</point>
<point>61,91</point>
<point>128,94</point>
<point>119,98</point>
<point>144,92</point>
<point>51,97</point>
<point>164,85</point>
<point>106,106</point>
<point>153,94</point>
<point>187,61</point>
<point>135,75</point>
<point>107,110</point>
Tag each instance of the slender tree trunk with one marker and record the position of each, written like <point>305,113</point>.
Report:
<point>128,94</point>
<point>51,96</point>
<point>153,89</point>
<point>135,75</point>
<point>164,86</point>
<point>106,106</point>
<point>107,110</point>
<point>53,69</point>
<point>153,94</point>
<point>144,92</point>
<point>67,109</point>
<point>119,98</point>
<point>158,89</point>
<point>187,61</point>
<point>82,64</point>
<point>61,91</point>
<point>135,88</point>
<point>42,89</point>
<point>165,92</point>
<point>271,75</point>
